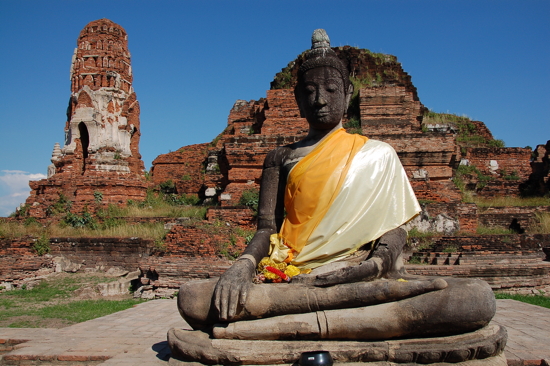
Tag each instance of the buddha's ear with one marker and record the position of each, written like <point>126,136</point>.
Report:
<point>349,93</point>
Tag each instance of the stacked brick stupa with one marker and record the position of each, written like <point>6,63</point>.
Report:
<point>100,162</point>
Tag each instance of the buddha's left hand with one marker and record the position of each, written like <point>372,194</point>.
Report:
<point>365,271</point>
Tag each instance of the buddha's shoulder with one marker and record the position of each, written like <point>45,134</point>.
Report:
<point>277,156</point>
<point>381,146</point>
<point>378,151</point>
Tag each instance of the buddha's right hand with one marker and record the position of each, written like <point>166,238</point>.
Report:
<point>232,288</point>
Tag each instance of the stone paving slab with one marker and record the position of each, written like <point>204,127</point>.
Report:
<point>528,332</point>
<point>137,336</point>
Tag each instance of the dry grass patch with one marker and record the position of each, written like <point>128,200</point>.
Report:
<point>121,229</point>
<point>543,224</point>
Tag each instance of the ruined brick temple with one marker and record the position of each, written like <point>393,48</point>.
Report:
<point>100,160</point>
<point>385,107</point>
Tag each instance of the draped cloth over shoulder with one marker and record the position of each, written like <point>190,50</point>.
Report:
<point>347,192</point>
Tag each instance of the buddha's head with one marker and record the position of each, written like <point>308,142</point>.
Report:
<point>323,89</point>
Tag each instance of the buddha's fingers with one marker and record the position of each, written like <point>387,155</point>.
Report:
<point>221,301</point>
<point>232,289</point>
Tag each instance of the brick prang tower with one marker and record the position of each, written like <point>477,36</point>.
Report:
<point>100,162</point>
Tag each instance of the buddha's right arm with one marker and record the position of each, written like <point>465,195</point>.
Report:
<point>232,288</point>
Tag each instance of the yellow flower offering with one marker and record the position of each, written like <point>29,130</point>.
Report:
<point>292,271</point>
<point>288,270</point>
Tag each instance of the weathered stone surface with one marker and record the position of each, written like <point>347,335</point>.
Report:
<point>118,287</point>
<point>100,162</point>
<point>63,264</point>
<point>485,344</point>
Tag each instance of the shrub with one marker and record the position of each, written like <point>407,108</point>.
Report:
<point>31,221</point>
<point>512,176</point>
<point>62,205</point>
<point>420,240</point>
<point>250,198</point>
<point>42,245</point>
<point>22,212</point>
<point>450,249</point>
<point>180,200</point>
<point>229,249</point>
<point>463,170</point>
<point>167,187</point>
<point>415,260</point>
<point>496,143</point>
<point>353,126</point>
<point>80,221</point>
<point>247,235</point>
<point>353,123</point>
<point>98,197</point>
<point>160,245</point>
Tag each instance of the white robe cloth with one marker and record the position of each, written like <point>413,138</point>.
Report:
<point>376,197</point>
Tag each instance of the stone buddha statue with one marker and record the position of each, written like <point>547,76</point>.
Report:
<point>331,206</point>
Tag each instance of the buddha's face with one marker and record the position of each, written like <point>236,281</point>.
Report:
<point>322,98</point>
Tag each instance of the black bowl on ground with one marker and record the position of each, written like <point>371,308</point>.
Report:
<point>316,358</point>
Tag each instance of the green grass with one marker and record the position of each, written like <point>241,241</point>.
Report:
<point>52,303</point>
<point>468,134</point>
<point>81,311</point>
<point>420,240</point>
<point>66,314</point>
<point>538,300</point>
<point>508,201</point>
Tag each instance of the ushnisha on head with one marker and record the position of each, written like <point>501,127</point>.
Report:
<point>323,90</point>
<point>321,55</point>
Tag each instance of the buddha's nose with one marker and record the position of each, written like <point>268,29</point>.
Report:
<point>320,101</point>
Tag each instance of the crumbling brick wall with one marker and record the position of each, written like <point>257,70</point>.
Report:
<point>184,167</point>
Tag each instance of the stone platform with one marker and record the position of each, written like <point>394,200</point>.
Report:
<point>137,336</point>
<point>482,347</point>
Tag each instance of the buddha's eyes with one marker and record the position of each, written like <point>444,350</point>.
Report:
<point>331,87</point>
<point>310,89</point>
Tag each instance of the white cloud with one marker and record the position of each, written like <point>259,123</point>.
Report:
<point>14,189</point>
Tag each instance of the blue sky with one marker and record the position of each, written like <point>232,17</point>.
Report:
<point>192,60</point>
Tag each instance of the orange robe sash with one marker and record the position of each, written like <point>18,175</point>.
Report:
<point>313,184</point>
